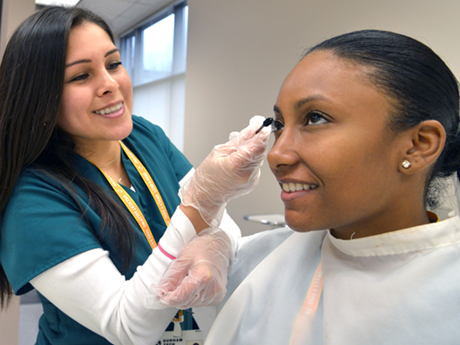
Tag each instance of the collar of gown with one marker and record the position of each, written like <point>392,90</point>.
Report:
<point>423,237</point>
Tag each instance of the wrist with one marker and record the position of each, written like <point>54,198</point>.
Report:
<point>195,217</point>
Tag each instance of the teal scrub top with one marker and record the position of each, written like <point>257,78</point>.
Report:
<point>43,226</point>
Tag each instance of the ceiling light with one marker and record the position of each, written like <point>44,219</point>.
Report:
<point>56,2</point>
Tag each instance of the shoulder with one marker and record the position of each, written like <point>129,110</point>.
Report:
<point>142,126</point>
<point>266,241</point>
<point>33,180</point>
<point>252,250</point>
<point>39,212</point>
<point>255,248</point>
<point>148,136</point>
<point>151,145</point>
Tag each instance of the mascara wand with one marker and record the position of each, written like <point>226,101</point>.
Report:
<point>267,122</point>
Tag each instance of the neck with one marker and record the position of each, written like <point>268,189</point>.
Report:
<point>105,155</point>
<point>398,221</point>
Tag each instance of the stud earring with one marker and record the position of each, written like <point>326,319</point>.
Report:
<point>406,164</point>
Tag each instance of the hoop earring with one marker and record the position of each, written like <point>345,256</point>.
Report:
<point>406,164</point>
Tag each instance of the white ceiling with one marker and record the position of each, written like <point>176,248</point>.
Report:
<point>124,14</point>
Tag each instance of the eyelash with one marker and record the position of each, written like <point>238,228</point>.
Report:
<point>279,126</point>
<point>111,67</point>
<point>115,65</point>
<point>312,114</point>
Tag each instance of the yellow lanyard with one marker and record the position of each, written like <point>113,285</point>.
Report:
<point>129,202</point>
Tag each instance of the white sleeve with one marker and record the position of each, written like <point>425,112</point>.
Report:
<point>90,289</point>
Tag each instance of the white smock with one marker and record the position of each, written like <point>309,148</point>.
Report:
<point>401,287</point>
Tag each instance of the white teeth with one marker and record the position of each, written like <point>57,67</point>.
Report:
<point>109,109</point>
<point>293,187</point>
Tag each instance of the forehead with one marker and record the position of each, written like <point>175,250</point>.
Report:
<point>323,75</point>
<point>323,70</point>
<point>86,37</point>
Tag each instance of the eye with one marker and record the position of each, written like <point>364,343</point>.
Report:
<point>315,118</point>
<point>79,77</point>
<point>277,126</point>
<point>114,65</point>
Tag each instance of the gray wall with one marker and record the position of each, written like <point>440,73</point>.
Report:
<point>239,52</point>
<point>13,13</point>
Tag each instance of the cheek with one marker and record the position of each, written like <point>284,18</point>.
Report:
<point>365,171</point>
<point>72,110</point>
<point>126,89</point>
<point>351,164</point>
<point>64,117</point>
<point>75,100</point>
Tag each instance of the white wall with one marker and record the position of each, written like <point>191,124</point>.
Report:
<point>239,52</point>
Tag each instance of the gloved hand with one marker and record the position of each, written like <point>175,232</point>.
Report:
<point>229,171</point>
<point>198,276</point>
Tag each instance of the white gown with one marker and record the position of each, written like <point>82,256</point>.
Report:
<point>401,287</point>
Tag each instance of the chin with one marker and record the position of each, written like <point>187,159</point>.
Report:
<point>301,223</point>
<point>297,224</point>
<point>126,130</point>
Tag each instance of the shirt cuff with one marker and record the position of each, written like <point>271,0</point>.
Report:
<point>179,232</point>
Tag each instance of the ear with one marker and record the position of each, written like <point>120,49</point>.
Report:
<point>427,142</point>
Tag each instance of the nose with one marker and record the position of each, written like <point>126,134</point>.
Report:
<point>107,84</point>
<point>283,154</point>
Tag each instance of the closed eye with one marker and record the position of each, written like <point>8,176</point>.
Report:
<point>79,77</point>
<point>114,65</point>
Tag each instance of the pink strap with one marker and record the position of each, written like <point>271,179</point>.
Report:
<point>165,252</point>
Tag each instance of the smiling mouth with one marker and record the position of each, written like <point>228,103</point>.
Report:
<point>295,187</point>
<point>109,110</point>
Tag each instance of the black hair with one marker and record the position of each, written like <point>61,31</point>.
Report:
<point>31,84</point>
<point>418,83</point>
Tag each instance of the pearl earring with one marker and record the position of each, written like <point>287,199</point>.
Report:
<point>406,164</point>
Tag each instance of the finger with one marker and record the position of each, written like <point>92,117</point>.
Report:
<point>187,293</point>
<point>251,152</point>
<point>200,279</point>
<point>175,274</point>
<point>254,124</point>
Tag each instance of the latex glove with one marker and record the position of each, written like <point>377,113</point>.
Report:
<point>198,276</point>
<point>230,170</point>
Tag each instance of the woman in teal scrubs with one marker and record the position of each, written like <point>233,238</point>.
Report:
<point>88,189</point>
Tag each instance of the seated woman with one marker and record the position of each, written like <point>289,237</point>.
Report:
<point>366,124</point>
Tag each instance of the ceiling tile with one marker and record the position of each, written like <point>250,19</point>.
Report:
<point>124,14</point>
<point>106,8</point>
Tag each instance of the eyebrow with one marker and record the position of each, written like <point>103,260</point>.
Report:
<point>110,52</point>
<point>302,102</point>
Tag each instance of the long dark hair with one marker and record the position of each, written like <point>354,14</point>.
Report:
<point>31,84</point>
<point>418,83</point>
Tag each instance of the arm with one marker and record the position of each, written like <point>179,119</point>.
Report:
<point>199,275</point>
<point>90,289</point>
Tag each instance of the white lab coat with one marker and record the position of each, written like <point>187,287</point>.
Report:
<point>401,287</point>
